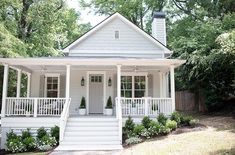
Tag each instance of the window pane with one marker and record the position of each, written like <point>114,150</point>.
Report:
<point>52,94</point>
<point>55,80</point>
<point>49,79</point>
<point>55,86</point>
<point>49,86</point>
<point>139,93</point>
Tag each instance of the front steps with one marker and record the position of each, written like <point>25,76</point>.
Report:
<point>91,133</point>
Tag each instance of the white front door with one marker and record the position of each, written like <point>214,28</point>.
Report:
<point>96,93</point>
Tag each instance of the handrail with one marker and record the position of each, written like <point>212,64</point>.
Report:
<point>119,117</point>
<point>64,118</point>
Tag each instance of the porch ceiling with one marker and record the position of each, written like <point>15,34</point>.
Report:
<point>59,63</point>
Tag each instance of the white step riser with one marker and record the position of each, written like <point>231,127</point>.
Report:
<point>93,138</point>
<point>82,129</point>
<point>89,147</point>
<point>91,143</point>
<point>93,119</point>
<point>93,124</point>
<point>92,133</point>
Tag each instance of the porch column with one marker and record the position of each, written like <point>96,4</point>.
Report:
<point>119,83</point>
<point>172,87</point>
<point>28,84</point>
<point>160,85</point>
<point>67,95</point>
<point>18,82</point>
<point>4,89</point>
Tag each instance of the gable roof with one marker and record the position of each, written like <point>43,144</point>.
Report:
<point>109,19</point>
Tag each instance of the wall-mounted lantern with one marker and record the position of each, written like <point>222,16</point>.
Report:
<point>82,81</point>
<point>109,82</point>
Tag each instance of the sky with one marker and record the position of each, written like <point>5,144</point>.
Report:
<point>85,15</point>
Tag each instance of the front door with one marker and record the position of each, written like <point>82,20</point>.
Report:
<point>96,93</point>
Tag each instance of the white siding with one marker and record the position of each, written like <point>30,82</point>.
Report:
<point>103,43</point>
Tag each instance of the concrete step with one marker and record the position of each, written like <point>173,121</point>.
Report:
<point>73,147</point>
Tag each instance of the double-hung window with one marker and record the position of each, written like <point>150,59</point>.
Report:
<point>52,86</point>
<point>133,86</point>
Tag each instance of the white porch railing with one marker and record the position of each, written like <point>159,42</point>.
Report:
<point>63,119</point>
<point>34,106</point>
<point>146,106</point>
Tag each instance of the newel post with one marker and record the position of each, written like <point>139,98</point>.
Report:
<point>4,89</point>
<point>35,107</point>
<point>146,106</point>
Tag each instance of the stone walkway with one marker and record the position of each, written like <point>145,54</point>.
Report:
<point>85,153</point>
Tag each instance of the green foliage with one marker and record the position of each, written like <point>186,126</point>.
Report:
<point>193,122</point>
<point>26,134</point>
<point>133,140</point>
<point>109,104</point>
<point>176,116</point>
<point>15,145</point>
<point>55,132</point>
<point>30,143</point>
<point>171,124</point>
<point>146,122</point>
<point>138,129</point>
<point>185,120</point>
<point>154,128</point>
<point>146,133</point>
<point>41,132</point>
<point>129,127</point>
<point>164,130</point>
<point>47,140</point>
<point>83,103</point>
<point>162,119</point>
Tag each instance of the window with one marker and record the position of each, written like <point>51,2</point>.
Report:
<point>133,86</point>
<point>96,79</point>
<point>116,34</point>
<point>52,86</point>
<point>126,86</point>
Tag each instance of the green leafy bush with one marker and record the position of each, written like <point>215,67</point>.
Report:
<point>44,147</point>
<point>14,143</point>
<point>41,132</point>
<point>26,134</point>
<point>55,132</point>
<point>186,119</point>
<point>146,122</point>
<point>138,129</point>
<point>47,140</point>
<point>129,127</point>
<point>164,130</point>
<point>133,140</point>
<point>145,133</point>
<point>162,119</point>
<point>176,116</point>
<point>30,143</point>
<point>171,124</point>
<point>193,122</point>
<point>154,128</point>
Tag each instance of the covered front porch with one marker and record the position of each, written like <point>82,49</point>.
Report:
<point>141,87</point>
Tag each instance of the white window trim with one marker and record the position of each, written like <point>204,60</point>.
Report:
<point>133,74</point>
<point>45,83</point>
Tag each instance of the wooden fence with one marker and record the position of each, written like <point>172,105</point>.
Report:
<point>187,101</point>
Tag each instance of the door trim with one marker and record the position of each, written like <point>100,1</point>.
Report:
<point>88,85</point>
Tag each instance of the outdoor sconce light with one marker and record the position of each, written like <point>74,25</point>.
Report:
<point>82,81</point>
<point>109,82</point>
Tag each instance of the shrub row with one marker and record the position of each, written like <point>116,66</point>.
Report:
<point>26,142</point>
<point>136,133</point>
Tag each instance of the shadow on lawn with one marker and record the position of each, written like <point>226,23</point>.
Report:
<point>224,151</point>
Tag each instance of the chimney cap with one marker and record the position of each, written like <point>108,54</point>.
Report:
<point>159,15</point>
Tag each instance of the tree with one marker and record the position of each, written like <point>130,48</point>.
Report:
<point>136,11</point>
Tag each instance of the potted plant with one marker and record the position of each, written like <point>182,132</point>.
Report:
<point>82,108</point>
<point>154,109</point>
<point>109,107</point>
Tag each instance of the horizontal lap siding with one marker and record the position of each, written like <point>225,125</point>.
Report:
<point>103,42</point>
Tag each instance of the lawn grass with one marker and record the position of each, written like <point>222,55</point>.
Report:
<point>217,138</point>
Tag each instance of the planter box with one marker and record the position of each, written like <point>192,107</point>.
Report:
<point>82,111</point>
<point>108,112</point>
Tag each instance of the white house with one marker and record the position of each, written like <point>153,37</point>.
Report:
<point>114,59</point>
